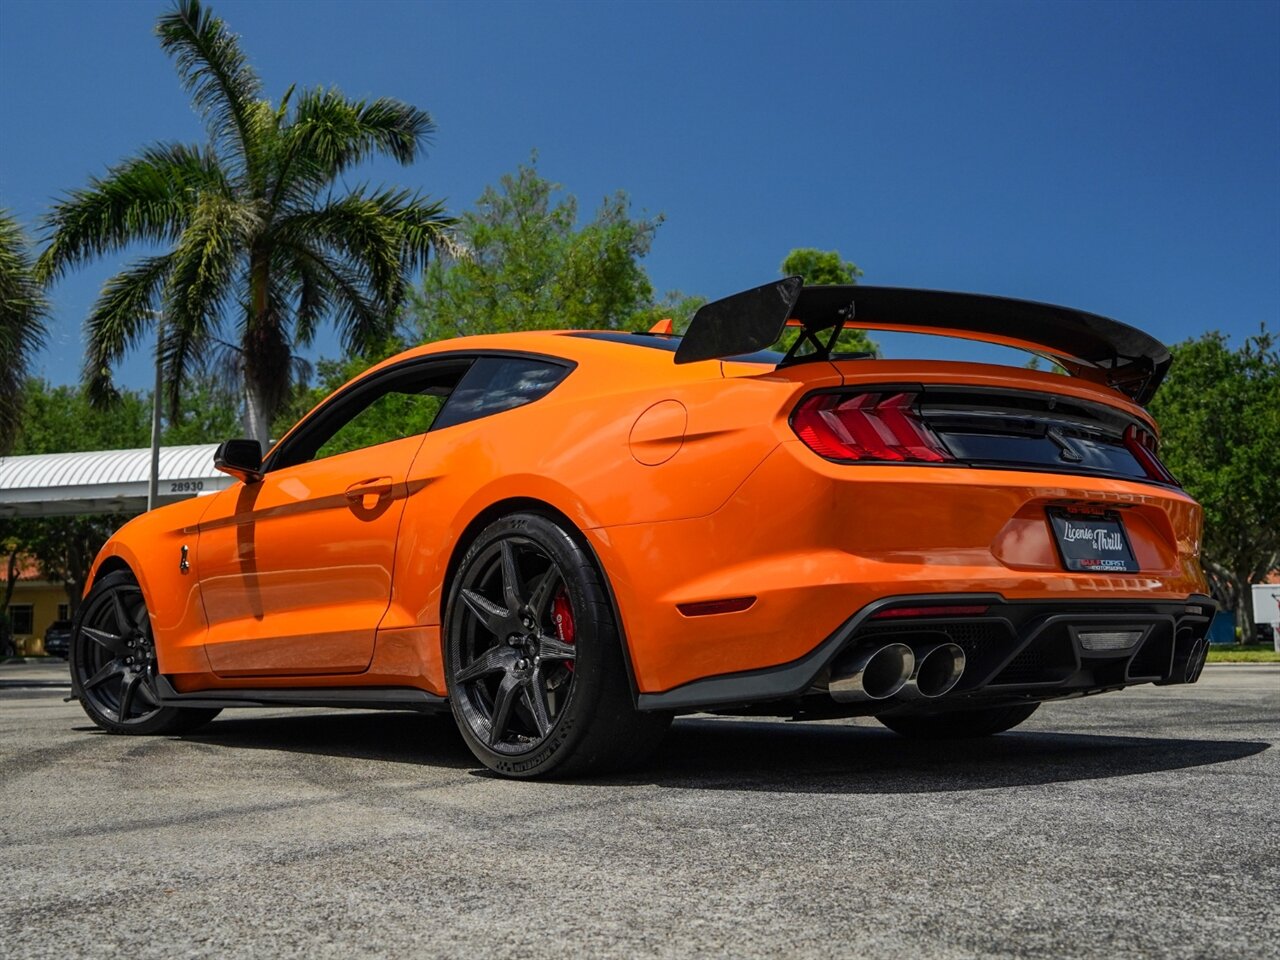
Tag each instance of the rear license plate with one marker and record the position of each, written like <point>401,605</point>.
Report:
<point>1092,543</point>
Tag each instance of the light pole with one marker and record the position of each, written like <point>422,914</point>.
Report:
<point>153,485</point>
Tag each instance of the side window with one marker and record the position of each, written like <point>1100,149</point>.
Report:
<point>391,416</point>
<point>393,404</point>
<point>494,384</point>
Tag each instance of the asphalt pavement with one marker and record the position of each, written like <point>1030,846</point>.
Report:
<point>1139,824</point>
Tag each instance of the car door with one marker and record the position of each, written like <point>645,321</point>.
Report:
<point>296,568</point>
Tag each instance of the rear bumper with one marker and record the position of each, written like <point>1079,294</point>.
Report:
<point>813,541</point>
<point>1018,650</point>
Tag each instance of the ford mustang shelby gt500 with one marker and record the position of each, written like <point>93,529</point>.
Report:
<point>567,538</point>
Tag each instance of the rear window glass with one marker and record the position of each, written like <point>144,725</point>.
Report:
<point>494,384</point>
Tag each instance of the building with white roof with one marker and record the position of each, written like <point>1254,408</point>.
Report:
<point>103,481</point>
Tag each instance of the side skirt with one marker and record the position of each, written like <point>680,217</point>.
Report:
<point>362,698</point>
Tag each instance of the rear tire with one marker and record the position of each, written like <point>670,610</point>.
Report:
<point>113,663</point>
<point>534,658</point>
<point>960,724</point>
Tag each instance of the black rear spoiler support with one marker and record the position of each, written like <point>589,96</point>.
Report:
<point>1085,344</point>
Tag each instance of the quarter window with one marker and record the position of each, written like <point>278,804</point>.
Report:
<point>494,384</point>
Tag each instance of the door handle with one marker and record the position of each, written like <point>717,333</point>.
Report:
<point>369,492</point>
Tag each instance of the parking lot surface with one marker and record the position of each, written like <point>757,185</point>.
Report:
<point>1139,824</point>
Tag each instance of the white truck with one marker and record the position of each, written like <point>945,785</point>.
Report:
<point>1266,608</point>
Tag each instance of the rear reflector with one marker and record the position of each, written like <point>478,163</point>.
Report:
<point>867,426</point>
<point>704,608</point>
<point>1108,640</point>
<point>952,611</point>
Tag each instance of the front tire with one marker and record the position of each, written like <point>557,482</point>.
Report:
<point>537,680</point>
<point>113,663</point>
<point>960,724</point>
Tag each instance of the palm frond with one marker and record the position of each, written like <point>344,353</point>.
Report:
<point>215,71</point>
<point>146,198</point>
<point>301,280</point>
<point>23,311</point>
<point>204,265</point>
<point>124,310</point>
<point>329,134</point>
<point>337,133</point>
<point>334,285</point>
<point>389,234</point>
<point>351,227</point>
<point>423,226</point>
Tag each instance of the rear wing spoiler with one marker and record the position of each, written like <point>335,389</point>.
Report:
<point>1085,344</point>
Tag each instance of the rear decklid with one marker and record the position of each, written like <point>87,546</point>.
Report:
<point>1088,346</point>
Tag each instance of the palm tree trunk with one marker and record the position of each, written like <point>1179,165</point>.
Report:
<point>257,396</point>
<point>256,423</point>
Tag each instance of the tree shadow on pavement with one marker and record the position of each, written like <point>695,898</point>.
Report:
<point>825,758</point>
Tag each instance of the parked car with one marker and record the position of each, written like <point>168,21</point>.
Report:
<point>567,537</point>
<point>57,639</point>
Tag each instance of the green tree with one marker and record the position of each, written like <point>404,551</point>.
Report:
<point>819,266</point>
<point>674,305</point>
<point>825,267</point>
<point>260,238</point>
<point>525,264</point>
<point>208,413</point>
<point>63,420</point>
<point>23,311</point>
<point>1219,415</point>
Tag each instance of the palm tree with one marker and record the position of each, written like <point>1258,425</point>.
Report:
<point>257,237</point>
<point>23,310</point>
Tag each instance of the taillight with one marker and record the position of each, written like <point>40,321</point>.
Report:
<point>1142,444</point>
<point>867,426</point>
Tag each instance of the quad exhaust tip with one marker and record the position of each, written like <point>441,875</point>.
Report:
<point>938,669</point>
<point>876,673</point>
<point>1196,660</point>
<point>895,670</point>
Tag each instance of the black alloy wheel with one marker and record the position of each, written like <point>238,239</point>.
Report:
<point>537,679</point>
<point>113,662</point>
<point>519,663</point>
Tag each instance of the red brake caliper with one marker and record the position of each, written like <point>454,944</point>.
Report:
<point>562,614</point>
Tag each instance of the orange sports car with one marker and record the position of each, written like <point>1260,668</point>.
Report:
<point>567,538</point>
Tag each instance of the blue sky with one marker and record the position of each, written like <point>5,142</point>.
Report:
<point>1121,158</point>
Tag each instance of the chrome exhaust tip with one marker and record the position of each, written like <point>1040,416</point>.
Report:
<point>938,669</point>
<point>876,673</point>
<point>1196,659</point>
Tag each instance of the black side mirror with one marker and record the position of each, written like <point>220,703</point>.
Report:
<point>240,458</point>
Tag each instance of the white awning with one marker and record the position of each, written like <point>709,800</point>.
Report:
<point>103,481</point>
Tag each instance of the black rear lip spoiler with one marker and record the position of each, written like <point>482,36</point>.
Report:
<point>1085,344</point>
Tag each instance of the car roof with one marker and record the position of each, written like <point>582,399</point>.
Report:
<point>605,350</point>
